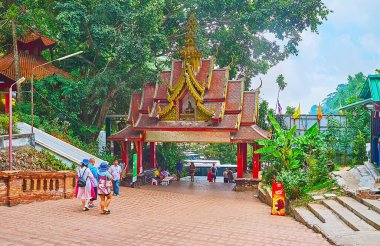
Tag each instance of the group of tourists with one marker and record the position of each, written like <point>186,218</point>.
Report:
<point>229,176</point>
<point>93,182</point>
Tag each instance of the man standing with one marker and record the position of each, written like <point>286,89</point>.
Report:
<point>225,176</point>
<point>179,167</point>
<point>214,172</point>
<point>115,171</point>
<point>192,171</point>
<point>95,185</point>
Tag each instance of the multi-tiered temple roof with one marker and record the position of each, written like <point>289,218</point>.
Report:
<point>191,98</point>
<point>30,48</point>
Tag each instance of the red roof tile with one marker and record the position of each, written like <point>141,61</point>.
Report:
<point>127,133</point>
<point>134,108</point>
<point>147,98</point>
<point>249,134</point>
<point>176,72</point>
<point>31,37</point>
<point>27,63</point>
<point>204,70</point>
<point>218,83</point>
<point>161,88</point>
<point>234,94</point>
<point>249,103</point>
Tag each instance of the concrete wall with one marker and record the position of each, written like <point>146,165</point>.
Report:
<point>18,140</point>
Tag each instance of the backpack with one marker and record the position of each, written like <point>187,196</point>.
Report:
<point>82,182</point>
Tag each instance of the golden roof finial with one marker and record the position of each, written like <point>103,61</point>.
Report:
<point>190,53</point>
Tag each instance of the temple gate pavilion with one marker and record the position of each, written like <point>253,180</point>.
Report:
<point>195,102</point>
<point>30,48</point>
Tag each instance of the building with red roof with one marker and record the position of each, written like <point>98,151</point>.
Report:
<point>29,48</point>
<point>193,102</point>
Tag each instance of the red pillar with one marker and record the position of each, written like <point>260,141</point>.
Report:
<point>139,149</point>
<point>124,155</point>
<point>152,150</point>
<point>239,161</point>
<point>255,162</point>
<point>244,149</point>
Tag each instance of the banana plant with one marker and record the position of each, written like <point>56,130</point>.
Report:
<point>282,148</point>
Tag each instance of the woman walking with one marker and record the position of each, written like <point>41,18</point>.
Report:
<point>104,187</point>
<point>84,189</point>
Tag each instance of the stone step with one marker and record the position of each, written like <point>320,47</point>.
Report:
<point>372,204</point>
<point>352,220</point>
<point>329,220</point>
<point>361,210</point>
<point>363,170</point>
<point>332,230</point>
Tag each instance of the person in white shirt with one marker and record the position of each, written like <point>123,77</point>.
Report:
<point>116,171</point>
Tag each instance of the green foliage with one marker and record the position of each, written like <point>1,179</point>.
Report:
<point>263,114</point>
<point>286,153</point>
<point>359,149</point>
<point>290,110</point>
<point>168,154</point>
<point>4,123</point>
<point>295,182</point>
<point>281,148</point>
<point>280,81</point>
<point>225,153</point>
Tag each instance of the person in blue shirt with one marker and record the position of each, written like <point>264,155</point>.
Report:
<point>94,171</point>
<point>179,167</point>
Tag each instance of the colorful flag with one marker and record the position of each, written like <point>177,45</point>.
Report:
<point>297,114</point>
<point>340,111</point>
<point>279,107</point>
<point>320,115</point>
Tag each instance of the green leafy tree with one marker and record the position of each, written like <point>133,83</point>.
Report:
<point>225,153</point>
<point>359,149</point>
<point>290,110</point>
<point>280,81</point>
<point>263,114</point>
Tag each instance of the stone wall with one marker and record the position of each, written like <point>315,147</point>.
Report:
<point>28,186</point>
<point>246,184</point>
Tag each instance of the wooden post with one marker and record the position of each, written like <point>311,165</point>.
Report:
<point>239,161</point>
<point>255,162</point>
<point>152,151</point>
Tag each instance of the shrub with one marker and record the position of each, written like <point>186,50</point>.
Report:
<point>294,182</point>
<point>268,173</point>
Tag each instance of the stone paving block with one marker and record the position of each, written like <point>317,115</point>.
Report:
<point>181,214</point>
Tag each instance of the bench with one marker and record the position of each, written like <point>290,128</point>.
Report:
<point>166,181</point>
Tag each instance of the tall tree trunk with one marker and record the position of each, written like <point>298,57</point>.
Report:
<point>105,107</point>
<point>16,60</point>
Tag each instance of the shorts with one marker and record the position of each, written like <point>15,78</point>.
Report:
<point>96,194</point>
<point>213,176</point>
<point>225,180</point>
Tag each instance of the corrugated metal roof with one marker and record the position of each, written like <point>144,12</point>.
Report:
<point>371,88</point>
<point>365,101</point>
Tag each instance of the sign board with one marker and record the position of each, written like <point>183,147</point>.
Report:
<point>134,168</point>
<point>278,199</point>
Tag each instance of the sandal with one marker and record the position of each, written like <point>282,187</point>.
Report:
<point>107,211</point>
<point>85,209</point>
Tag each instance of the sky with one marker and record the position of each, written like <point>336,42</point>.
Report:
<point>347,43</point>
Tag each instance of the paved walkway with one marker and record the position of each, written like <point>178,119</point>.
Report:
<point>180,214</point>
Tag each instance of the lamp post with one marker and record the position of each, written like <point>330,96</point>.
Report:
<point>32,82</point>
<point>10,121</point>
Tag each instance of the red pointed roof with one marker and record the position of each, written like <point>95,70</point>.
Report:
<point>192,97</point>
<point>27,62</point>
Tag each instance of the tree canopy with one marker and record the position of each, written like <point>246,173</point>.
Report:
<point>127,42</point>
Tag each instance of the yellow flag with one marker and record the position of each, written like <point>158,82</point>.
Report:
<point>340,111</point>
<point>297,114</point>
<point>320,115</point>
